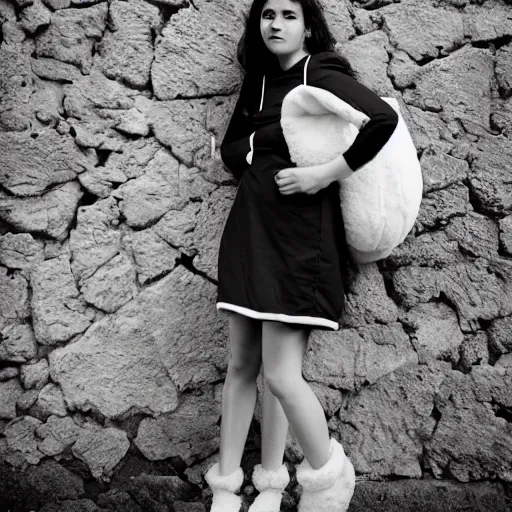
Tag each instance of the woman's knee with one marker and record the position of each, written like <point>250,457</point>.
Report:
<point>245,339</point>
<point>245,367</point>
<point>283,386</point>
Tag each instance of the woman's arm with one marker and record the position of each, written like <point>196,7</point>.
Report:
<point>325,71</point>
<point>236,142</point>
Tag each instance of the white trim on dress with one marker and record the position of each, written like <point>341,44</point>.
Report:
<point>279,317</point>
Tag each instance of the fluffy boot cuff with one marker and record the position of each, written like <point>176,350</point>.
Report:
<point>266,479</point>
<point>224,488</point>
<point>322,478</point>
<point>231,482</point>
<point>329,488</point>
<point>271,485</point>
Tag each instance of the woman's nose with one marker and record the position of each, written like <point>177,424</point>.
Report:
<point>276,24</point>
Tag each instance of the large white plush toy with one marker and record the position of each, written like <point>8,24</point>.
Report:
<point>380,202</point>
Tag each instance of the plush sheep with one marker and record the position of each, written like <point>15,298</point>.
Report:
<point>380,202</point>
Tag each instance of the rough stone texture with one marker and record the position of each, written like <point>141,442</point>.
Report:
<point>52,69</point>
<point>428,495</point>
<point>426,250</point>
<point>146,199</point>
<point>50,402</point>
<point>48,215</point>
<point>505,361</point>
<point>95,240</point>
<point>10,391</point>
<point>116,367</point>
<point>16,84</point>
<point>428,131</point>
<point>57,435</point>
<point>120,501</point>
<point>20,438</point>
<point>487,23</point>
<point>500,341</point>
<point>436,330</point>
<point>20,251</point>
<point>331,399</point>
<point>35,375</point>
<point>367,300</point>
<point>35,17</point>
<point>14,305</point>
<point>53,482</point>
<point>113,194</point>
<point>57,4</point>
<point>441,170</point>
<point>7,12</point>
<point>179,433</point>
<point>82,505</point>
<point>96,106</point>
<point>478,290</point>
<point>422,30</point>
<point>352,358</point>
<point>154,257</point>
<point>474,350</point>
<point>439,206</point>
<point>177,228</point>
<point>475,234</point>
<point>438,87</point>
<point>382,443</point>
<point>181,125</point>
<point>506,234</point>
<point>17,343</point>
<point>490,174</point>
<point>188,49</point>
<point>101,450</point>
<point>369,59</point>
<point>27,400</point>
<point>210,222</point>
<point>59,313</point>
<point>126,49</point>
<point>71,35</point>
<point>503,70</point>
<point>112,285</point>
<point>338,14</point>
<point>160,489</point>
<point>472,439</point>
<point>35,162</point>
<point>8,372</point>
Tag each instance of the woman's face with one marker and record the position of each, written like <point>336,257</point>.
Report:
<point>282,27</point>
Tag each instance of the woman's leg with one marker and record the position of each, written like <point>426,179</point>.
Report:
<point>283,350</point>
<point>274,428</point>
<point>240,391</point>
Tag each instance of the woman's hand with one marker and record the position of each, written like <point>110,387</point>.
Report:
<point>310,180</point>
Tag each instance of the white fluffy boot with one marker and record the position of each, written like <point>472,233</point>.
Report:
<point>224,489</point>
<point>271,485</point>
<point>329,488</point>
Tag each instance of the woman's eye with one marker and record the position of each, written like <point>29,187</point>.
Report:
<point>267,15</point>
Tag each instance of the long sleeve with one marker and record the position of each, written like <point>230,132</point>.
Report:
<point>236,143</point>
<point>326,71</point>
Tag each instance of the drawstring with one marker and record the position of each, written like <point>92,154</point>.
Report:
<point>263,85</point>
<point>248,158</point>
<point>306,70</point>
<point>262,93</point>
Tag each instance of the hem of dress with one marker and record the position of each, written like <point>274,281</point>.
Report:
<point>279,317</point>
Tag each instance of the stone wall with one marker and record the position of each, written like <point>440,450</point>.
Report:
<point>112,202</point>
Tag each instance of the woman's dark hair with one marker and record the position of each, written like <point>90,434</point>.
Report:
<point>257,59</point>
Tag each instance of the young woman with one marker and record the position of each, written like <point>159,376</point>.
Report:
<point>282,258</point>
